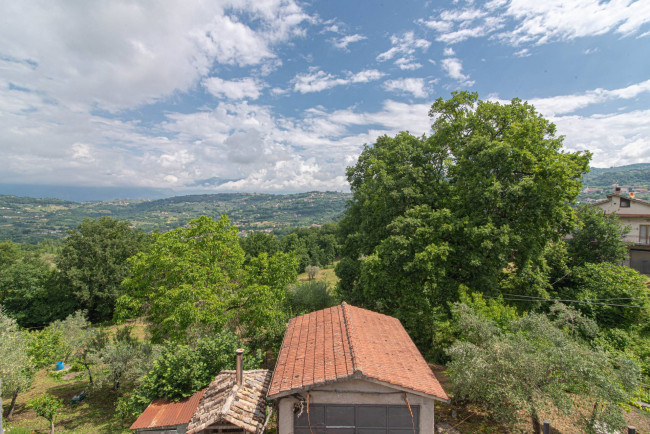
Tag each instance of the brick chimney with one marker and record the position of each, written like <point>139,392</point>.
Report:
<point>239,373</point>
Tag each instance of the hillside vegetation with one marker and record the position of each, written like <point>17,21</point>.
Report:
<point>599,182</point>
<point>32,220</point>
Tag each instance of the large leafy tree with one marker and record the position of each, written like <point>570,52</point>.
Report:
<point>476,203</point>
<point>92,263</point>
<point>193,281</point>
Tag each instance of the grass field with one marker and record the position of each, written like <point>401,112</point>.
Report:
<point>95,414</point>
<point>326,275</point>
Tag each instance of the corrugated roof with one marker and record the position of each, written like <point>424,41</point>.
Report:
<point>345,342</point>
<point>243,406</point>
<point>162,412</point>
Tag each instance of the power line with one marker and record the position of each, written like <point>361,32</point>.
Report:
<point>570,301</point>
<point>587,299</point>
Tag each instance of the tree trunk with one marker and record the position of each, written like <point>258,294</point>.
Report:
<point>12,406</point>
<point>90,376</point>
<point>52,427</point>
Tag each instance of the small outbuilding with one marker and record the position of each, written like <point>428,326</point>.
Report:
<point>235,403</point>
<point>167,417</point>
<point>350,370</point>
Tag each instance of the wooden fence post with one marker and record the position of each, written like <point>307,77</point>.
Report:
<point>546,429</point>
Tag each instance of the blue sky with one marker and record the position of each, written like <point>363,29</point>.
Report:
<point>281,95</point>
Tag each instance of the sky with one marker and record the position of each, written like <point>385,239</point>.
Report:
<point>281,95</point>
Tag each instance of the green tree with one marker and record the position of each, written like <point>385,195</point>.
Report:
<point>259,242</point>
<point>48,407</point>
<point>477,203</point>
<point>92,263</point>
<point>597,238</point>
<point>608,292</point>
<point>308,297</point>
<point>16,368</point>
<point>182,369</point>
<point>536,366</point>
<point>26,287</point>
<point>193,281</point>
<point>123,361</point>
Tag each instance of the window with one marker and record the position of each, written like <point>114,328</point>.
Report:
<point>644,234</point>
<point>625,203</point>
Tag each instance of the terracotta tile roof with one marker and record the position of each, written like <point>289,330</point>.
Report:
<point>162,412</point>
<point>243,406</point>
<point>345,342</point>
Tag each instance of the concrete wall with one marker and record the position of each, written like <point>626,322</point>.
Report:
<point>632,223</point>
<point>357,392</point>
<point>613,205</point>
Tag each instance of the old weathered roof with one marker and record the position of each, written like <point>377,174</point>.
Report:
<point>243,406</point>
<point>162,412</point>
<point>344,342</point>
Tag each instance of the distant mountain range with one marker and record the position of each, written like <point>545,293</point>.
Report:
<point>38,217</point>
<point>25,219</point>
<point>631,175</point>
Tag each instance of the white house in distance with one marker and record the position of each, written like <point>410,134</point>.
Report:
<point>350,370</point>
<point>635,214</point>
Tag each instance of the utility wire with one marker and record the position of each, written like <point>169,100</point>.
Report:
<point>570,301</point>
<point>587,299</point>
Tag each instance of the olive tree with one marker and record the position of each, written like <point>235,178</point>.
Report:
<point>534,365</point>
<point>16,368</point>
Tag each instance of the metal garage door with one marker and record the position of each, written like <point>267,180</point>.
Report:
<point>358,419</point>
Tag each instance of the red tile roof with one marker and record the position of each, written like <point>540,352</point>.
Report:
<point>344,342</point>
<point>162,412</point>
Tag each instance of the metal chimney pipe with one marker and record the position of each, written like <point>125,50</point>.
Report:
<point>239,373</point>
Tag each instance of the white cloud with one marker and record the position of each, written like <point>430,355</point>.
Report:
<point>540,22</point>
<point>455,26</point>
<point>317,80</point>
<point>614,139</point>
<point>234,89</point>
<point>553,20</point>
<point>570,103</point>
<point>414,86</point>
<point>448,52</point>
<point>454,69</point>
<point>122,54</point>
<point>403,50</point>
<point>343,42</point>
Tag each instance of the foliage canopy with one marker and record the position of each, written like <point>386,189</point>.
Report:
<point>192,281</point>
<point>475,204</point>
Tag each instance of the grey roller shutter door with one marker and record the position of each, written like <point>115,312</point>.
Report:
<point>358,419</point>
